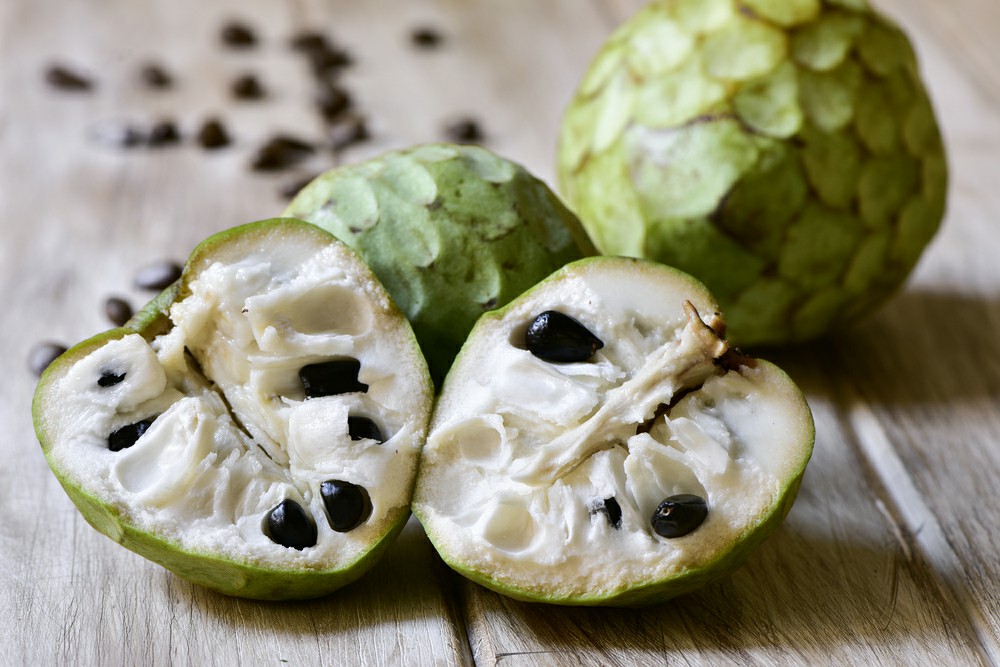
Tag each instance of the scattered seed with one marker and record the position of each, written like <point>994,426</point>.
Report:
<point>679,515</point>
<point>280,152</point>
<point>463,131</point>
<point>239,35</point>
<point>290,526</point>
<point>610,508</point>
<point>127,436</point>
<point>155,76</point>
<point>43,354</point>
<point>347,505</point>
<point>110,379</point>
<point>425,37</point>
<point>330,378</point>
<point>555,336</point>
<point>363,428</point>
<point>213,134</point>
<point>292,188</point>
<point>308,41</point>
<point>327,60</point>
<point>332,101</point>
<point>118,310</point>
<point>163,133</point>
<point>158,275</point>
<point>247,87</point>
<point>349,130</point>
<point>65,78</point>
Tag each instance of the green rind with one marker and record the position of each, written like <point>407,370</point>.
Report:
<point>681,582</point>
<point>451,231</point>
<point>205,569</point>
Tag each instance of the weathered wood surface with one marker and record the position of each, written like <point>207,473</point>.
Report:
<point>891,553</point>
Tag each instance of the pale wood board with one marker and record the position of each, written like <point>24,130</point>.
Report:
<point>890,554</point>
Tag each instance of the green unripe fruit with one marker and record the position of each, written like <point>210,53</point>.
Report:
<point>451,231</point>
<point>783,152</point>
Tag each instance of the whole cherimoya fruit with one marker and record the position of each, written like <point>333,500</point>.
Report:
<point>784,152</point>
<point>597,443</point>
<point>256,428</point>
<point>451,231</point>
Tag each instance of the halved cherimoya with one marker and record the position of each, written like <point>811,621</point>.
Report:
<point>256,428</point>
<point>598,442</point>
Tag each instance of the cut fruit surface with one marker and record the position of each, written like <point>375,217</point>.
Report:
<point>651,462</point>
<point>208,433</point>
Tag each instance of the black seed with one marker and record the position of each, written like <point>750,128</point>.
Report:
<point>110,379</point>
<point>127,436</point>
<point>347,505</point>
<point>64,78</point>
<point>155,76</point>
<point>247,87</point>
<point>332,101</point>
<point>349,130</point>
<point>292,188</point>
<point>679,515</point>
<point>238,35</point>
<point>463,131</point>
<point>43,354</point>
<point>290,526</point>
<point>425,37</point>
<point>118,310</point>
<point>360,428</point>
<point>158,275</point>
<point>117,134</point>
<point>610,508</point>
<point>280,152</point>
<point>308,41</point>
<point>213,134</point>
<point>553,336</point>
<point>330,378</point>
<point>328,60</point>
<point>162,133</point>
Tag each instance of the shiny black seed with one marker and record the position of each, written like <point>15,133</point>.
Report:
<point>463,131</point>
<point>280,152</point>
<point>290,526</point>
<point>127,436</point>
<point>118,310</point>
<point>425,37</point>
<point>327,60</point>
<point>213,134</point>
<point>332,101</point>
<point>110,379</point>
<point>331,377</point>
<point>553,336</point>
<point>360,428</point>
<point>347,131</point>
<point>308,41</point>
<point>238,35</point>
<point>347,505</point>
<point>247,87</point>
<point>44,354</point>
<point>162,133</point>
<point>64,78</point>
<point>610,508</point>
<point>155,76</point>
<point>679,515</point>
<point>158,275</point>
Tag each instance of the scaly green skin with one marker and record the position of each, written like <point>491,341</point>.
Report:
<point>205,569</point>
<point>451,231</point>
<point>784,152</point>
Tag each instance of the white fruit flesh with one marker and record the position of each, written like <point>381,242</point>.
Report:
<point>523,452</point>
<point>234,434</point>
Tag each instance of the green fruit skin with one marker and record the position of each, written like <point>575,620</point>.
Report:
<point>451,231</point>
<point>205,569</point>
<point>683,581</point>
<point>784,152</point>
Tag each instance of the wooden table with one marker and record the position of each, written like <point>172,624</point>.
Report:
<point>891,554</point>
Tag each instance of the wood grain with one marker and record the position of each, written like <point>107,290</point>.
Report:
<point>890,554</point>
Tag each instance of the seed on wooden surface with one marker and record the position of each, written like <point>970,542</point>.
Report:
<point>332,101</point>
<point>247,87</point>
<point>239,35</point>
<point>213,134</point>
<point>154,75</point>
<point>425,37</point>
<point>463,131</point>
<point>308,40</point>
<point>118,310</point>
<point>350,129</point>
<point>65,78</point>
<point>157,275</point>
<point>280,152</point>
<point>328,60</point>
<point>555,336</point>
<point>43,354</point>
<point>163,133</point>
<point>329,378</point>
<point>290,526</point>
<point>347,505</point>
